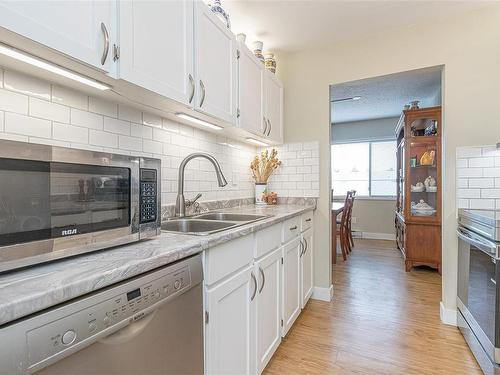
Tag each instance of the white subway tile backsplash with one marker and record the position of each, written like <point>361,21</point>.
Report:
<point>161,135</point>
<point>103,107</point>
<point>152,120</point>
<point>478,171</point>
<point>47,110</point>
<point>141,131</point>
<point>1,121</point>
<point>490,193</point>
<point>14,137</point>
<point>86,119</point>
<point>481,162</point>
<point>171,126</point>
<point>25,125</point>
<point>129,114</point>
<point>13,102</point>
<point>481,182</point>
<point>151,146</point>
<point>69,97</point>
<point>469,193</point>
<point>25,84</point>
<point>482,204</point>
<point>129,143</point>
<point>491,172</point>
<point>113,125</point>
<point>468,152</point>
<point>104,139</point>
<point>69,133</point>
<point>49,141</point>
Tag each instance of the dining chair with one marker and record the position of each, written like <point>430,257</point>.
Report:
<point>343,226</point>
<point>349,221</point>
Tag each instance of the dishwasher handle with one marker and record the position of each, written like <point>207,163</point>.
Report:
<point>128,332</point>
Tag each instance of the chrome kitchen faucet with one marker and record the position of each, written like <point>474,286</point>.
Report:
<point>180,204</point>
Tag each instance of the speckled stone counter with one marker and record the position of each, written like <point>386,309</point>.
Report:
<point>33,289</point>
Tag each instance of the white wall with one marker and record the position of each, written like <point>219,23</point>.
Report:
<point>469,49</point>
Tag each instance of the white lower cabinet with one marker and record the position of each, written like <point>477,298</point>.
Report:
<point>230,325</point>
<point>255,288</point>
<point>306,267</point>
<point>291,283</point>
<point>268,308</point>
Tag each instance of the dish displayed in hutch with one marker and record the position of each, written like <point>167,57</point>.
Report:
<point>418,204</point>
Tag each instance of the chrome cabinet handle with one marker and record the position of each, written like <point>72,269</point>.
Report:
<point>106,43</point>
<point>191,82</point>
<point>493,280</point>
<point>270,127</point>
<point>301,249</point>
<point>306,246</point>
<point>293,228</point>
<point>263,279</point>
<point>308,220</point>
<point>202,86</point>
<point>265,125</point>
<point>255,286</point>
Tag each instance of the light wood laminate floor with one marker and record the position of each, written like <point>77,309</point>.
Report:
<point>382,321</point>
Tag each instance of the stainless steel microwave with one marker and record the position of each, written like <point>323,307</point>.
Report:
<point>57,202</point>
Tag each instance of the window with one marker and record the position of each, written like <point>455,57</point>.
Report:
<point>367,167</point>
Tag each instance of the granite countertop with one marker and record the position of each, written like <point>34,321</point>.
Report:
<point>33,289</point>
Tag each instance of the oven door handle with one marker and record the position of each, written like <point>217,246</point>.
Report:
<point>128,332</point>
<point>482,244</point>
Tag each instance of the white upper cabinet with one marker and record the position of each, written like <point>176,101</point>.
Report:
<point>273,107</point>
<point>230,327</point>
<point>82,30</point>
<point>250,90</point>
<point>215,66</point>
<point>306,267</point>
<point>156,46</point>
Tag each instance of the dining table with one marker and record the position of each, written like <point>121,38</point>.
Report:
<point>337,208</point>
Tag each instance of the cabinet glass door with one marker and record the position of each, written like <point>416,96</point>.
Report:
<point>423,177</point>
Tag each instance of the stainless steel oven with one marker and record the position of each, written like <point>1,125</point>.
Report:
<point>478,298</point>
<point>57,202</point>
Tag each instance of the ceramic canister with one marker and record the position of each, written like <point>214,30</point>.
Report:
<point>257,50</point>
<point>270,62</point>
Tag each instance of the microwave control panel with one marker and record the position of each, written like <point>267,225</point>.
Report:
<point>148,195</point>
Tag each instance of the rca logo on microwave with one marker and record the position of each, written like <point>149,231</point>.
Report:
<point>69,232</point>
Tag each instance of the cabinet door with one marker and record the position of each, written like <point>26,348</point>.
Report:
<point>250,92</point>
<point>306,267</point>
<point>71,27</point>
<point>273,108</point>
<point>291,284</point>
<point>268,307</point>
<point>230,331</point>
<point>215,66</point>
<point>156,46</point>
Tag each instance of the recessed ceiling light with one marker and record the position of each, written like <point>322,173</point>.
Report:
<point>257,142</point>
<point>39,63</point>
<point>346,99</point>
<point>198,121</point>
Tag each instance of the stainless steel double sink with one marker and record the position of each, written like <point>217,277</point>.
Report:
<point>209,223</point>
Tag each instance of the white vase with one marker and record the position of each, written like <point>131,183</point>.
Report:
<point>260,188</point>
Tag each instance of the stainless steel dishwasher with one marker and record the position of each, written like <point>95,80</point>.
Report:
<point>151,324</point>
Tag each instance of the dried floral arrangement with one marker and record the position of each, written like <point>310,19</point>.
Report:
<point>264,165</point>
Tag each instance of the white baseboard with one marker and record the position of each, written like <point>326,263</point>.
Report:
<point>378,236</point>
<point>448,316</point>
<point>322,294</point>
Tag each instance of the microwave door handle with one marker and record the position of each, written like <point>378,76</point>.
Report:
<point>484,245</point>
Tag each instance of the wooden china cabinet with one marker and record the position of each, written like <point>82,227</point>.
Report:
<point>418,205</point>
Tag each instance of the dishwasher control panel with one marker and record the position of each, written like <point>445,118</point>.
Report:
<point>104,317</point>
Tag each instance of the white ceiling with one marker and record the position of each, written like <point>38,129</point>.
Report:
<point>385,96</point>
<point>292,25</point>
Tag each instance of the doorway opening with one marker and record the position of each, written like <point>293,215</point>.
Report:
<point>386,164</point>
